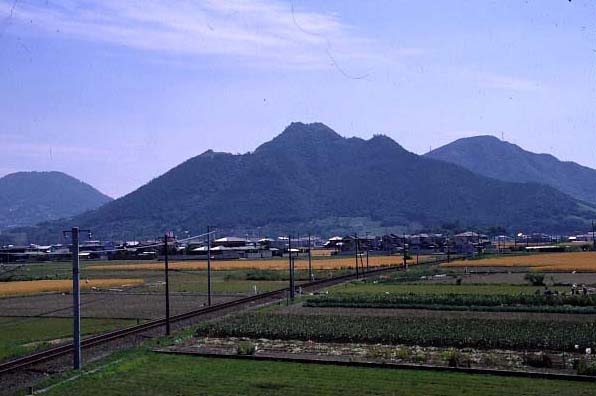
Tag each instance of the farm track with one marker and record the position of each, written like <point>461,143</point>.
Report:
<point>37,362</point>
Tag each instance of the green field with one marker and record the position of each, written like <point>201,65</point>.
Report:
<point>437,288</point>
<point>152,374</point>
<point>514,334</point>
<point>16,333</point>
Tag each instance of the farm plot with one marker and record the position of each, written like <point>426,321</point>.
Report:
<point>439,288</point>
<point>551,262</point>
<point>269,264</point>
<point>22,335</point>
<point>461,302</point>
<point>103,305</point>
<point>515,334</point>
<point>434,314</point>
<point>64,285</point>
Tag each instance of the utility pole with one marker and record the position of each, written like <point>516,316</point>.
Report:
<point>404,252</point>
<point>356,255</point>
<point>76,298</point>
<point>310,273</point>
<point>167,270</point>
<point>367,250</point>
<point>291,264</point>
<point>209,265</point>
<point>593,236</point>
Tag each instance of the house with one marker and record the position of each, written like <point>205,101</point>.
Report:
<point>426,242</point>
<point>228,248</point>
<point>469,242</point>
<point>349,243</point>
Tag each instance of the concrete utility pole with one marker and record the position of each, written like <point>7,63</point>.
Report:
<point>167,271</point>
<point>593,236</point>
<point>209,265</point>
<point>356,255</point>
<point>291,264</point>
<point>76,298</point>
<point>311,276</point>
<point>405,256</point>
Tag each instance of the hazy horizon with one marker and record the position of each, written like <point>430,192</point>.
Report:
<point>116,93</point>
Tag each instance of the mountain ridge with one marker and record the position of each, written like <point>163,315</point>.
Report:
<point>492,157</point>
<point>27,198</point>
<point>310,179</point>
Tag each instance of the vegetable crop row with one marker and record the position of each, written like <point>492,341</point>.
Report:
<point>517,334</point>
<point>465,300</point>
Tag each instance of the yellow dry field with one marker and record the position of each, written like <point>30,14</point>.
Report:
<point>322,252</point>
<point>65,285</point>
<point>576,261</point>
<point>271,264</point>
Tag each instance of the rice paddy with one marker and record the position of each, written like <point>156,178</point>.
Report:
<point>269,264</point>
<point>575,261</point>
<point>63,285</point>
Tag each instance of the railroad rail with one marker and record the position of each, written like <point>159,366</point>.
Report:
<point>59,351</point>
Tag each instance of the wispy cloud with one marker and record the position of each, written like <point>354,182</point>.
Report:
<point>15,145</point>
<point>491,80</point>
<point>254,31</point>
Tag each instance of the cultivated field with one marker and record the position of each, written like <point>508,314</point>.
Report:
<point>42,286</point>
<point>427,315</point>
<point>551,262</point>
<point>407,317</point>
<point>23,335</point>
<point>269,264</point>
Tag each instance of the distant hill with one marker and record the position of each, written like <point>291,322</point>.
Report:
<point>310,179</point>
<point>28,198</point>
<point>489,156</point>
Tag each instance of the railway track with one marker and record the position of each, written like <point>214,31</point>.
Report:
<point>88,342</point>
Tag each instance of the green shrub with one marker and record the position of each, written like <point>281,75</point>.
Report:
<point>535,278</point>
<point>376,352</point>
<point>246,348</point>
<point>585,367</point>
<point>540,360</point>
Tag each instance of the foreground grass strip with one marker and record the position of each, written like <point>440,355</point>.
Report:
<point>40,286</point>
<point>153,374</point>
<point>518,334</point>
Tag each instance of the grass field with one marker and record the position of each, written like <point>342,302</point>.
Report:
<point>40,286</point>
<point>269,264</point>
<point>152,374</point>
<point>358,287</point>
<point>21,335</point>
<point>576,261</point>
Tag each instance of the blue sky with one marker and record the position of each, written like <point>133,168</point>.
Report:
<point>116,93</point>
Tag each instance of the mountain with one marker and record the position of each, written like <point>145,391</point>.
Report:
<point>28,198</point>
<point>489,156</point>
<point>310,179</point>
